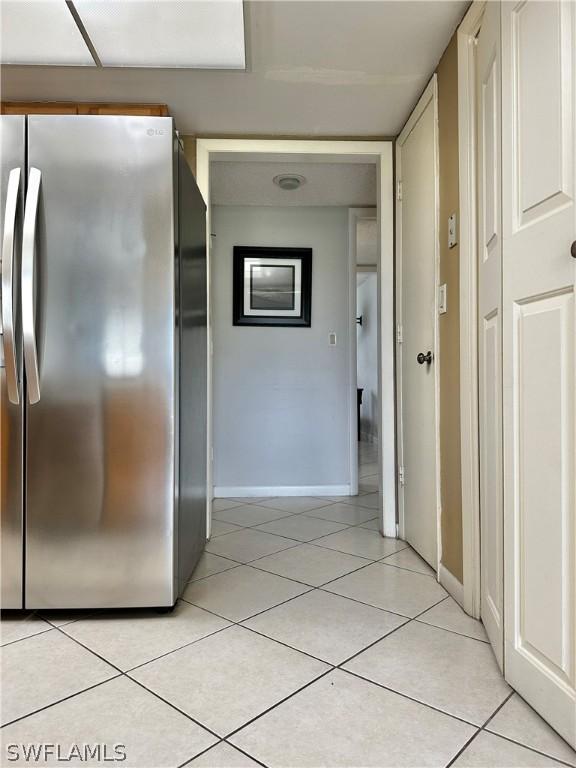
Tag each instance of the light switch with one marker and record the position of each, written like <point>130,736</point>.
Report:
<point>452,237</point>
<point>442,299</point>
<point>332,340</point>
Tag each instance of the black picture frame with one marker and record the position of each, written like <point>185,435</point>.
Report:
<point>240,313</point>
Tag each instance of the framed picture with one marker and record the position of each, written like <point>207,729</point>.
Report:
<point>272,286</point>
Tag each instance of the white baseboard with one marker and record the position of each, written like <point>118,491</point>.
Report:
<point>451,584</point>
<point>238,491</point>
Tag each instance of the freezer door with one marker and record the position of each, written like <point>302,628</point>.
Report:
<point>100,439</point>
<point>12,158</point>
<point>193,386</point>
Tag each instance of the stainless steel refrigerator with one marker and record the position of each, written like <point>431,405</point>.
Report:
<point>103,363</point>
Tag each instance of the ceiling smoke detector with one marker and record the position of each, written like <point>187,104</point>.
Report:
<point>289,181</point>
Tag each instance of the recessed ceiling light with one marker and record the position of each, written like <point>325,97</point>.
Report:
<point>288,181</point>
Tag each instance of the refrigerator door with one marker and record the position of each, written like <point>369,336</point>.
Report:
<point>100,440</point>
<point>12,169</point>
<point>193,367</point>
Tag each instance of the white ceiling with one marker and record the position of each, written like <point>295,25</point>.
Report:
<point>250,183</point>
<point>349,68</point>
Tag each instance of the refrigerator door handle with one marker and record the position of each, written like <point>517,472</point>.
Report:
<point>29,286</point>
<point>8,247</point>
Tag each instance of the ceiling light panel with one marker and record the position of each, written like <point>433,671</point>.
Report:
<point>41,33</point>
<point>201,34</point>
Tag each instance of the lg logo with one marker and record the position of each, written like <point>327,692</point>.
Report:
<point>156,132</point>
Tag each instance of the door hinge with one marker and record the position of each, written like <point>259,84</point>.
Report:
<point>398,190</point>
<point>399,334</point>
<point>401,475</point>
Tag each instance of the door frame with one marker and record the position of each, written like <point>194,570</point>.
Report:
<point>469,419</point>
<point>381,154</point>
<point>430,94</point>
<point>354,216</point>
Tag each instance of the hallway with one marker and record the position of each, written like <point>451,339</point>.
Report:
<point>304,639</point>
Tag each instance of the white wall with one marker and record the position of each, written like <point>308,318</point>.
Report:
<point>367,353</point>
<point>281,413</point>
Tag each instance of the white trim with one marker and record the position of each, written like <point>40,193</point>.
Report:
<point>203,181</point>
<point>430,94</point>
<point>451,584</point>
<point>354,215</point>
<point>469,427</point>
<point>379,152</point>
<point>254,491</point>
<point>352,357</point>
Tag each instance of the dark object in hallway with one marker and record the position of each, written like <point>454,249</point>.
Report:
<point>359,392</point>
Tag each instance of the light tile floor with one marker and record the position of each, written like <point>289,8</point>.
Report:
<point>303,639</point>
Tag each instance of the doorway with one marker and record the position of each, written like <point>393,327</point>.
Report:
<point>363,233</point>
<point>380,155</point>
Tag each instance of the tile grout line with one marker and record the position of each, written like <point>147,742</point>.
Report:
<point>507,738</point>
<point>286,645</point>
<point>387,610</point>
<point>173,706</point>
<point>410,698</point>
<point>277,704</point>
<point>60,701</point>
<point>453,631</point>
<point>258,613</point>
<point>186,645</point>
<point>209,575</point>
<point>527,746</point>
<point>320,546</point>
<point>409,619</point>
<point>234,746</point>
<point>190,759</point>
<point>27,637</point>
<point>360,567</point>
<point>218,743</point>
<point>478,730</point>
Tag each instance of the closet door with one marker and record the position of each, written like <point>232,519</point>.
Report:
<point>416,163</point>
<point>539,227</point>
<point>488,131</point>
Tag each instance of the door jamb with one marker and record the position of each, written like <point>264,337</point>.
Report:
<point>430,94</point>
<point>381,153</point>
<point>469,420</point>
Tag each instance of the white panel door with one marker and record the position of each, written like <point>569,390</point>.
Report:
<point>417,231</point>
<point>539,227</point>
<point>488,131</point>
